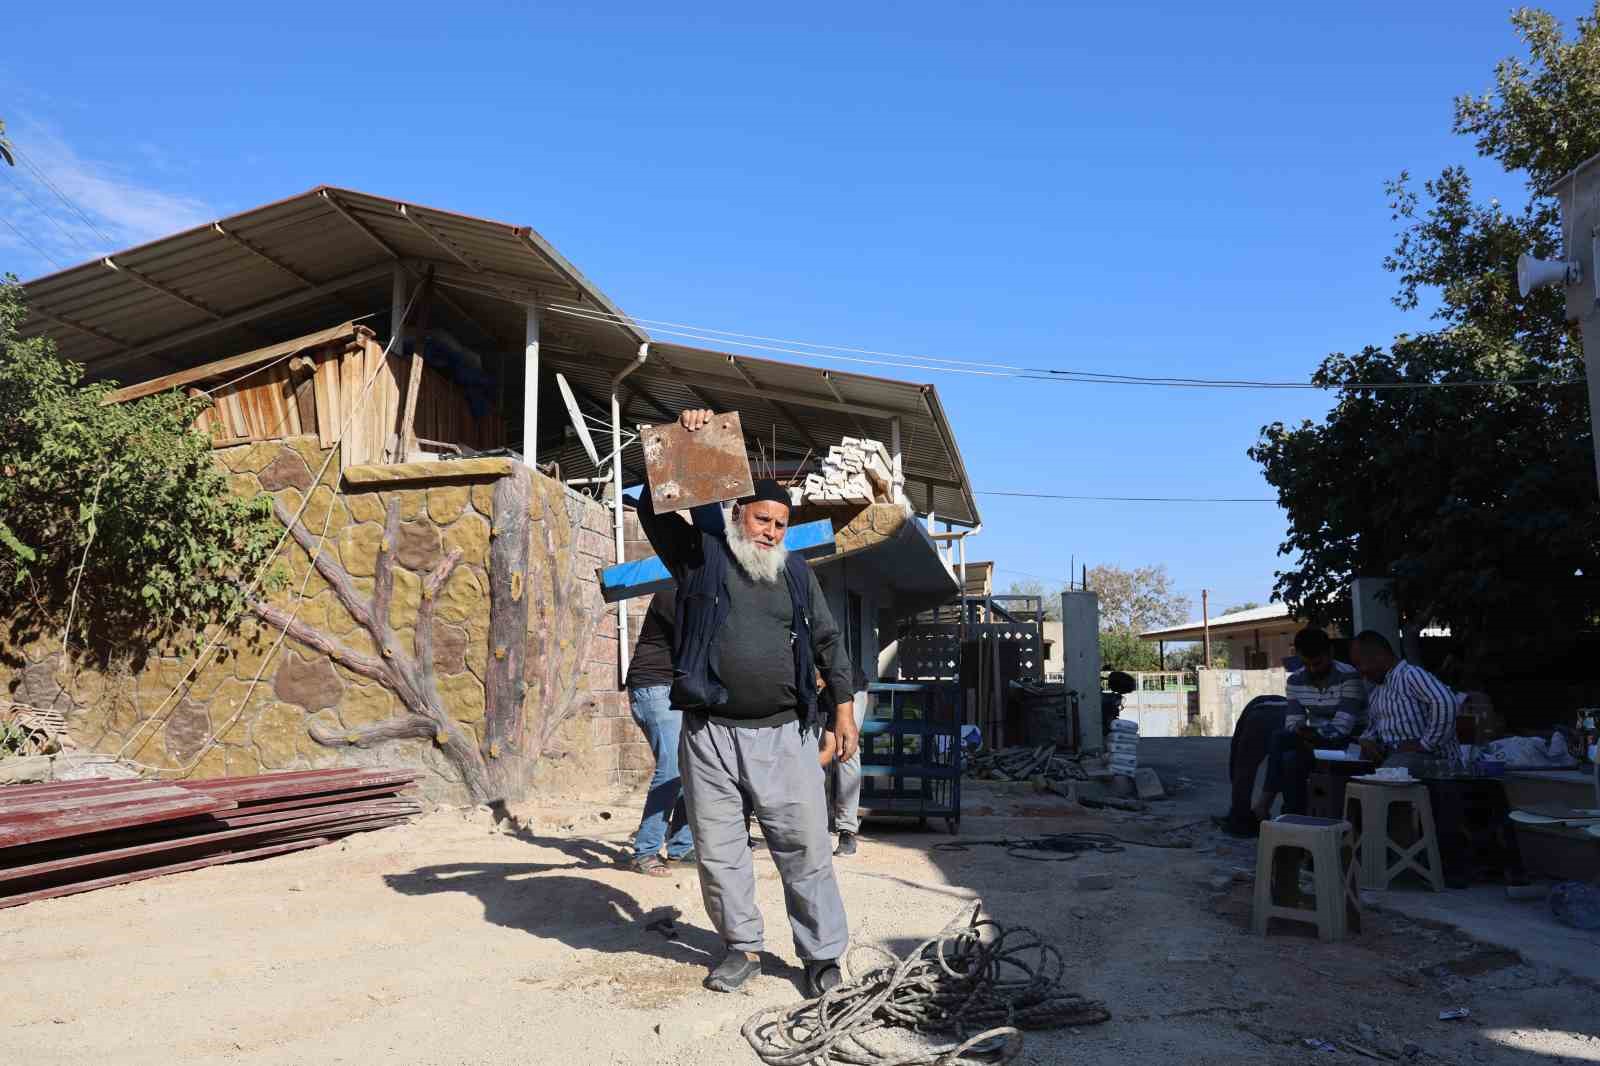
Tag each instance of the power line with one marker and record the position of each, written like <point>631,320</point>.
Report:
<point>62,196</point>
<point>26,195</point>
<point>780,340</point>
<point>1127,499</point>
<point>1025,573</point>
<point>935,364</point>
<point>34,244</point>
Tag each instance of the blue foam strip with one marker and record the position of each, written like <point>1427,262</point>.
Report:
<point>644,577</point>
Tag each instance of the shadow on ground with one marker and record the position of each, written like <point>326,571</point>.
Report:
<point>555,901</point>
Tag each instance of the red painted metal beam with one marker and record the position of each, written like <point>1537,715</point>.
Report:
<point>60,817</point>
<point>158,871</point>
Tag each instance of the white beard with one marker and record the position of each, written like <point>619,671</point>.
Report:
<point>758,563</point>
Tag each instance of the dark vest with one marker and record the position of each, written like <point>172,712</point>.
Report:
<point>702,610</point>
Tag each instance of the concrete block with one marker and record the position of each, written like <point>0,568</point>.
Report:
<point>595,545</point>
<point>602,649</point>
<point>1148,784</point>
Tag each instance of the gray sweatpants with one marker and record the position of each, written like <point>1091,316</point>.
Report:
<point>846,777</point>
<point>776,770</point>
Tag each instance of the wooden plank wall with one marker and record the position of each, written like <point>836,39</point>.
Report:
<point>324,391</point>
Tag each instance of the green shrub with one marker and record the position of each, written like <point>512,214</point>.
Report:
<point>170,544</point>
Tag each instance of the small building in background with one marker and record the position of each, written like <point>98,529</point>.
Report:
<point>1256,639</point>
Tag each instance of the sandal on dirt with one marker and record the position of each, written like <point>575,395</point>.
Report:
<point>733,972</point>
<point>650,866</point>
<point>688,858</point>
<point>822,975</point>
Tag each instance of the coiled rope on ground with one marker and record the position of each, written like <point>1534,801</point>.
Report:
<point>982,982</point>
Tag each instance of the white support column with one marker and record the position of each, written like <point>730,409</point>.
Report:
<point>530,388</point>
<point>1370,608</point>
<point>961,543</point>
<point>618,528</point>
<point>897,458</point>
<point>616,503</point>
<point>1080,663</point>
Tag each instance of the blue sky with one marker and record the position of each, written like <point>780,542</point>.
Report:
<point>1132,187</point>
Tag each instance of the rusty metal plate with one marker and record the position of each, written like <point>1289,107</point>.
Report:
<point>689,469</point>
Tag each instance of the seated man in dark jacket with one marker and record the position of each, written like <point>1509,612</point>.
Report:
<point>752,629</point>
<point>1262,719</point>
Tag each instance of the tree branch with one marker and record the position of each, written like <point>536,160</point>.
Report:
<point>327,565</point>
<point>383,575</point>
<point>422,636</point>
<point>341,653</point>
<point>405,727</point>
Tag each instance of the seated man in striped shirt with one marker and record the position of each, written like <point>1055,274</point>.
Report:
<point>1327,706</point>
<point>1412,713</point>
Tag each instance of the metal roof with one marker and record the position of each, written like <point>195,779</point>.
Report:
<point>329,255</point>
<point>1271,614</point>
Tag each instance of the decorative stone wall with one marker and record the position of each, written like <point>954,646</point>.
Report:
<point>391,655</point>
<point>605,745</point>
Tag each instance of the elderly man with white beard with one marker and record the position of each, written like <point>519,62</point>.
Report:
<point>752,630</point>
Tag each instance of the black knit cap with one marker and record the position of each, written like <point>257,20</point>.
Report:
<point>768,489</point>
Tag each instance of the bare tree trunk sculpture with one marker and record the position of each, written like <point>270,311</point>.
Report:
<point>409,675</point>
<point>505,749</point>
<point>543,617</point>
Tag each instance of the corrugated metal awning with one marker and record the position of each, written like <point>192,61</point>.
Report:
<point>329,255</point>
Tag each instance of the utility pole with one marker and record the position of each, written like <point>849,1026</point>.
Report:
<point>1205,623</point>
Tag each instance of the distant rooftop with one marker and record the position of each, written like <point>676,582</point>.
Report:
<point>1271,614</point>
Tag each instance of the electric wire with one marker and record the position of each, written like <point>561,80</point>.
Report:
<point>157,719</point>
<point>31,242</point>
<point>936,364</point>
<point>1127,499</point>
<point>45,180</point>
<point>1057,847</point>
<point>28,196</point>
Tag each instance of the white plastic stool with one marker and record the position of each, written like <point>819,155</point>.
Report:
<point>1367,807</point>
<point>1336,872</point>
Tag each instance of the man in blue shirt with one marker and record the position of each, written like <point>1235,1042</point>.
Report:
<point>665,820</point>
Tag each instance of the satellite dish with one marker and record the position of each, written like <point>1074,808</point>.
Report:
<point>575,413</point>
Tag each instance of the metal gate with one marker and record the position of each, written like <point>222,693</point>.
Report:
<point>1001,642</point>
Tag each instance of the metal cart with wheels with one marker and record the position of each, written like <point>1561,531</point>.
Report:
<point>911,752</point>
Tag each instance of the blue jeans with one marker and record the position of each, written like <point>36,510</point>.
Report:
<point>1289,767</point>
<point>664,817</point>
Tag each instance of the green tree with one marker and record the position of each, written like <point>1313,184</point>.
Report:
<point>1132,601</point>
<point>1192,656</point>
<point>1137,599</point>
<point>1479,502</point>
<point>1247,605</point>
<point>1121,649</point>
<point>121,502</point>
<point>1049,596</point>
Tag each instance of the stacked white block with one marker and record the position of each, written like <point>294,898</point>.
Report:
<point>1123,745</point>
<point>856,471</point>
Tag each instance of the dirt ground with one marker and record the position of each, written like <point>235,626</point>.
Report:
<point>444,942</point>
